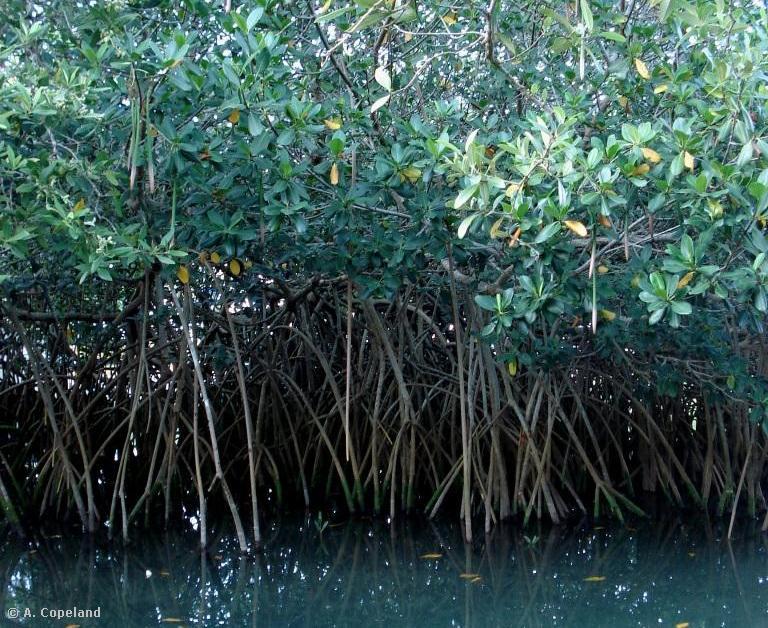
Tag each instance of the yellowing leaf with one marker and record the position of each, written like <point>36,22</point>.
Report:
<point>183,274</point>
<point>651,155</point>
<point>476,580</point>
<point>408,36</point>
<point>512,189</point>
<point>450,18</point>
<point>607,315</point>
<point>380,103</point>
<point>334,174</point>
<point>688,161</point>
<point>332,124</point>
<point>602,269</point>
<point>594,578</point>
<point>496,228</point>
<point>686,279</point>
<point>382,78</point>
<point>79,205</point>
<point>660,89</point>
<point>641,170</point>
<point>431,556</point>
<point>235,268</point>
<point>512,367</point>
<point>234,116</point>
<point>577,227</point>
<point>642,69</point>
<point>682,624</point>
<point>72,626</point>
<point>411,174</point>
<point>469,576</point>
<point>325,7</point>
<point>215,257</point>
<point>604,221</point>
<point>623,101</point>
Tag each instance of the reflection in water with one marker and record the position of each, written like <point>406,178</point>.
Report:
<point>366,574</point>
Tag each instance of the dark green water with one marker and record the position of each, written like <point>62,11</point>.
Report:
<point>364,574</point>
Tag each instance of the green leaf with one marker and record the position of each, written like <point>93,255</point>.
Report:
<point>586,15</point>
<point>466,224</point>
<point>463,196</point>
<point>547,232</point>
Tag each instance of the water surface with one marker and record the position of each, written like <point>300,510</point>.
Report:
<point>364,573</point>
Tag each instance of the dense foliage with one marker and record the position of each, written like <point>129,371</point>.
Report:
<point>569,185</point>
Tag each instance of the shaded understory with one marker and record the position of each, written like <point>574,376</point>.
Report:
<point>163,408</point>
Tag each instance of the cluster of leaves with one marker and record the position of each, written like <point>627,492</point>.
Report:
<point>598,163</point>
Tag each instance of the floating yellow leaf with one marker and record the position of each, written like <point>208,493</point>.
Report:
<point>333,124</point>
<point>183,274</point>
<point>602,269</point>
<point>607,315</point>
<point>594,578</point>
<point>215,257</point>
<point>72,626</point>
<point>234,116</point>
<point>512,367</point>
<point>496,228</point>
<point>450,18</point>
<point>165,573</point>
<point>469,576</point>
<point>604,221</point>
<point>235,268</point>
<point>431,556</point>
<point>641,170</point>
<point>411,174</point>
<point>660,89</point>
<point>691,554</point>
<point>682,624</point>
<point>577,227</point>
<point>688,160</point>
<point>79,205</point>
<point>651,155</point>
<point>642,69</point>
<point>512,189</point>
<point>686,279</point>
<point>334,174</point>
<point>476,580</point>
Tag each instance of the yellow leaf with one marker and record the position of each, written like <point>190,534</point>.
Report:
<point>641,170</point>
<point>431,556</point>
<point>332,124</point>
<point>623,101</point>
<point>334,174</point>
<point>476,580</point>
<point>651,155</point>
<point>203,257</point>
<point>469,576</point>
<point>496,228</point>
<point>512,189</point>
<point>325,7</point>
<point>411,173</point>
<point>608,315</point>
<point>72,626</point>
<point>577,227</point>
<point>642,69</point>
<point>691,554</point>
<point>183,274</point>
<point>688,160</point>
<point>660,89</point>
<point>79,205</point>
<point>602,269</point>
<point>604,221</point>
<point>686,279</point>
<point>248,264</point>
<point>235,268</point>
<point>682,624</point>
<point>512,367</point>
<point>215,257</point>
<point>594,578</point>
<point>450,18</point>
<point>408,36</point>
<point>234,117</point>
